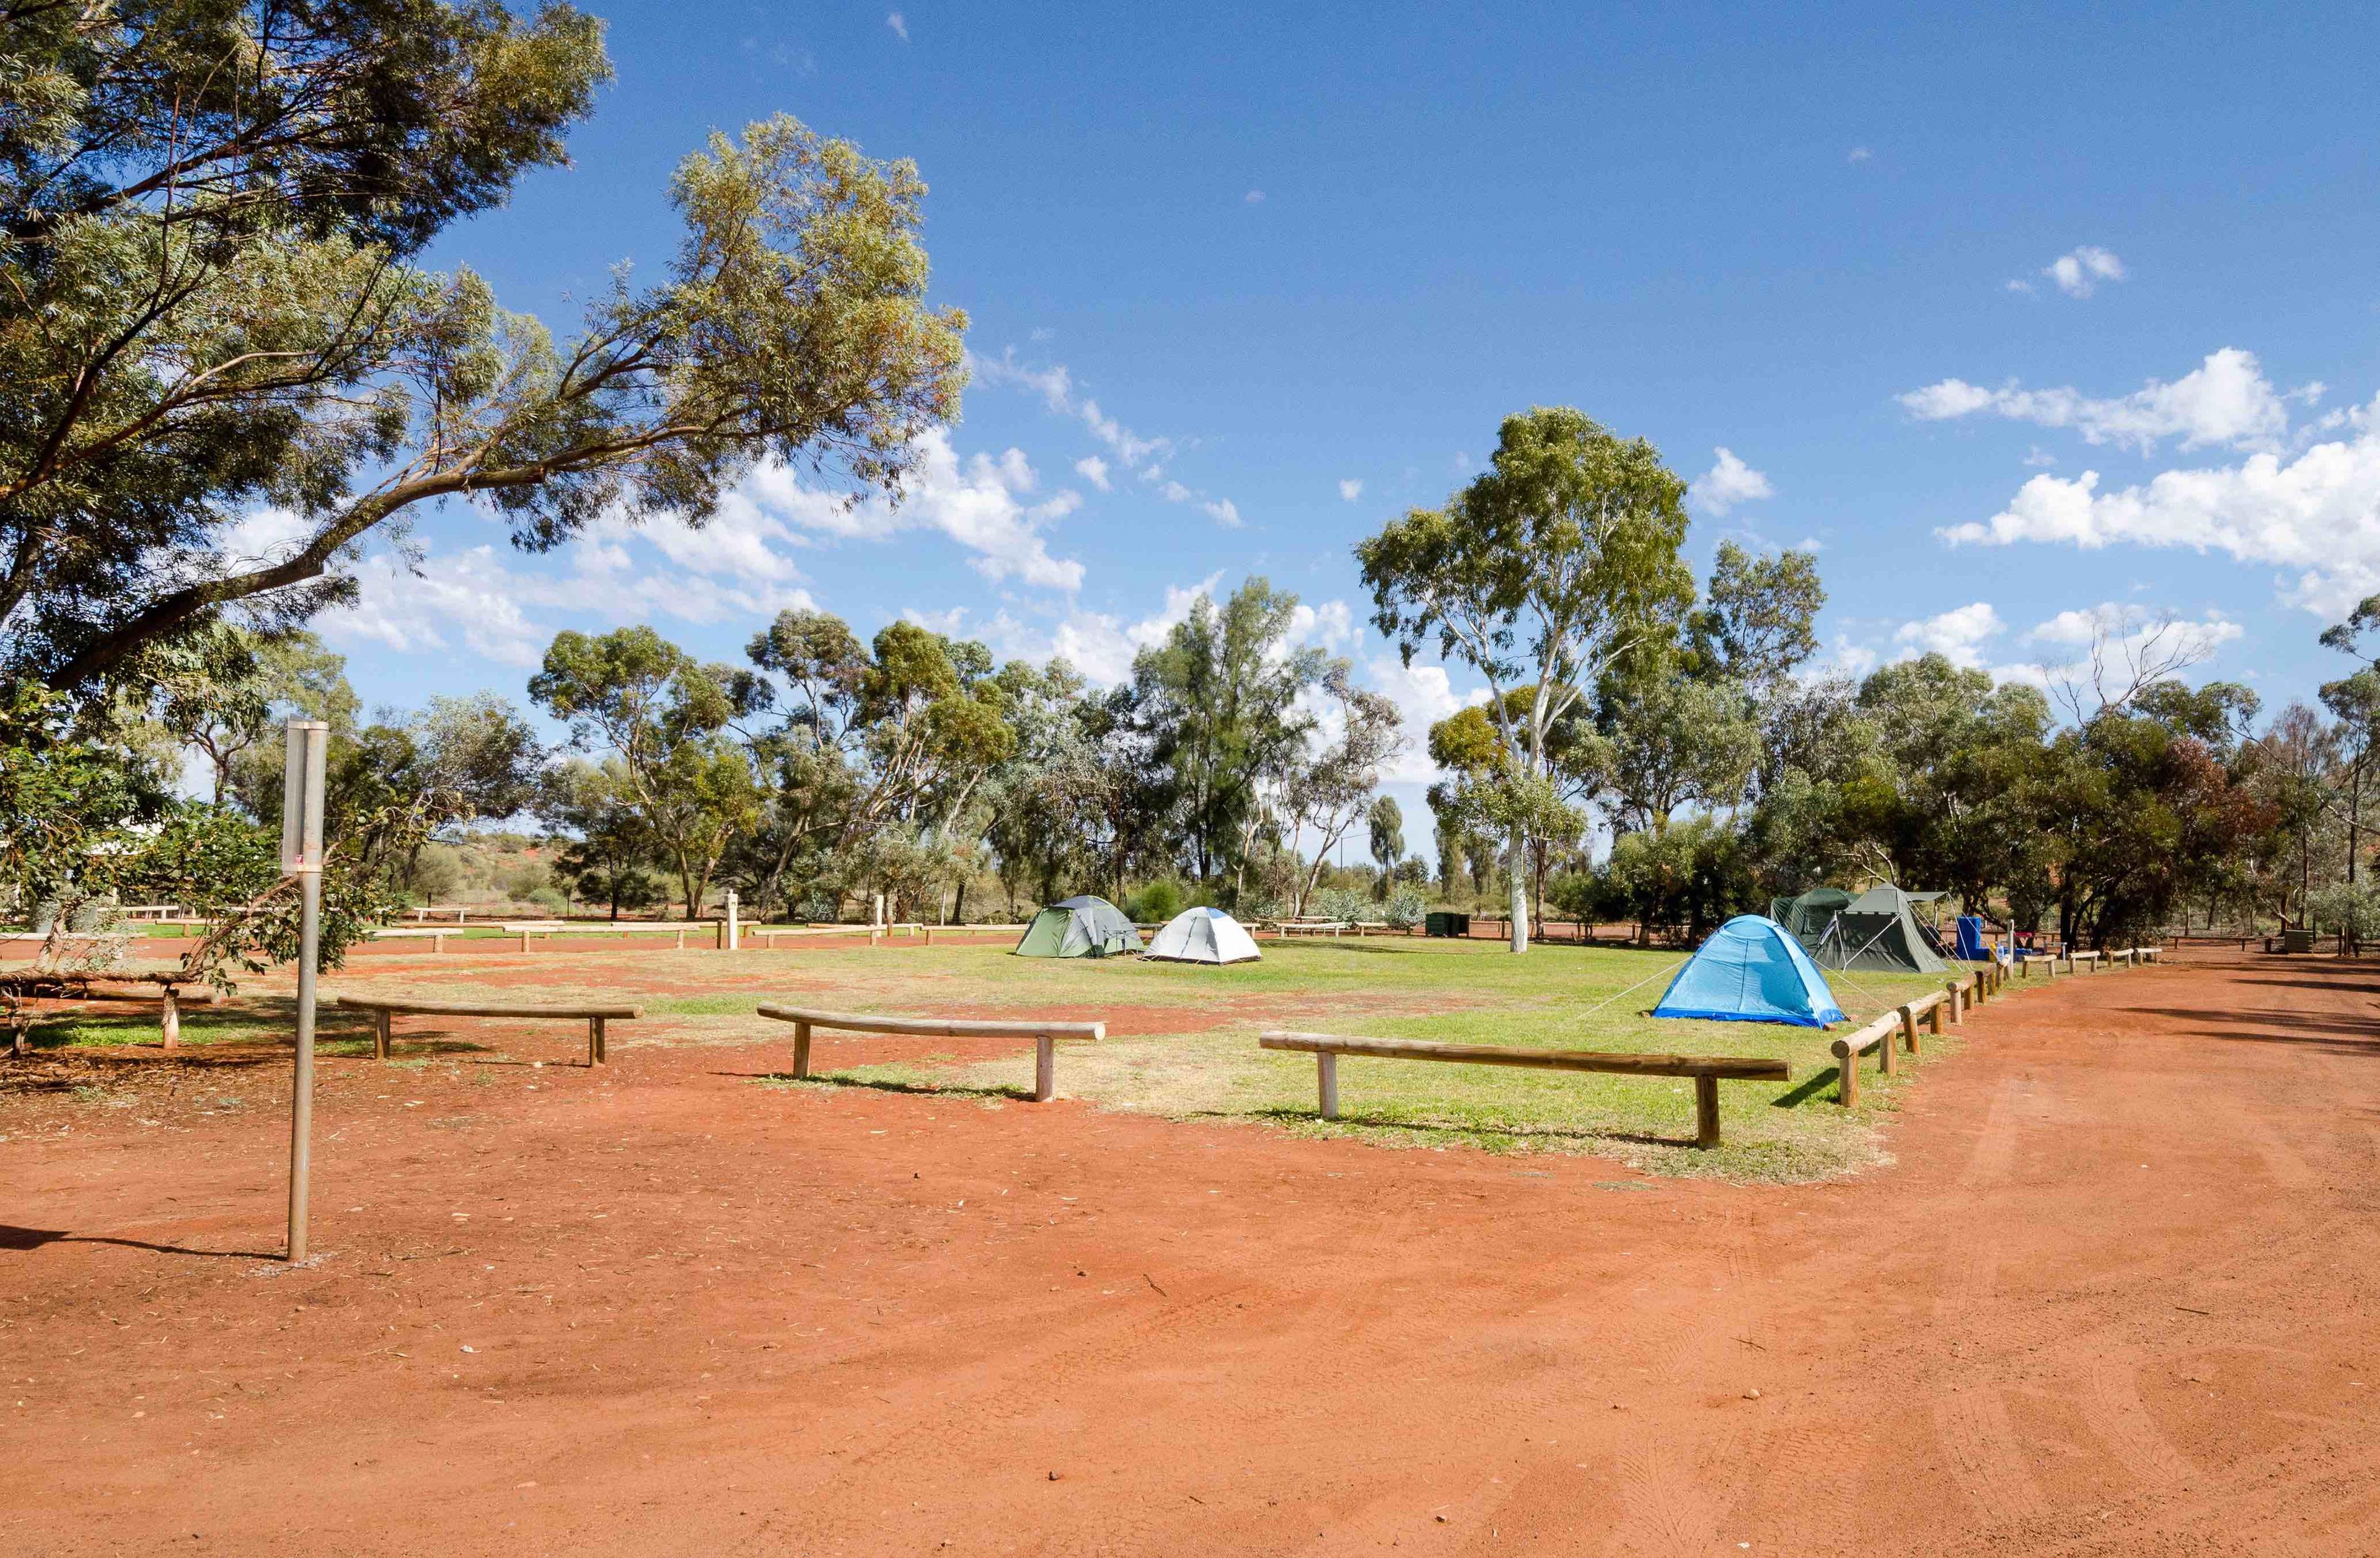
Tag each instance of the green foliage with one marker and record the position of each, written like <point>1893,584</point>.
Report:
<point>1159,901</point>
<point>212,305</point>
<point>1218,704</point>
<point>1548,570</point>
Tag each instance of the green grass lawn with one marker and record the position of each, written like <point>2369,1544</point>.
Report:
<point>1206,1066</point>
<point>1553,998</point>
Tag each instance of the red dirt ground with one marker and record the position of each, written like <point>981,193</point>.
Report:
<point>2116,1297</point>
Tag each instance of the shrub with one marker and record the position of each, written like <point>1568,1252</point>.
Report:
<point>437,872</point>
<point>524,882</point>
<point>1340,903</point>
<point>549,898</point>
<point>1161,900</point>
<point>1405,908</point>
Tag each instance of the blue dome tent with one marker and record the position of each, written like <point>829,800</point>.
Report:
<point>1751,970</point>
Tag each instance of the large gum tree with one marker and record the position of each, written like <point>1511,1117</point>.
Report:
<point>1555,561</point>
<point>211,311</point>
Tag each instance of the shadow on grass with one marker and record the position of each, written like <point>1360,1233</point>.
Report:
<point>1819,1081</point>
<point>881,1084</point>
<point>34,1239</point>
<point>1289,1116</point>
<point>1385,946</point>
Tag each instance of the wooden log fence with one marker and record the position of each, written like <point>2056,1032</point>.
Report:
<point>384,1009</point>
<point>808,1019</point>
<point>1706,1071</point>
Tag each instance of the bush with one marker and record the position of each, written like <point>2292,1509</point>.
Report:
<point>1405,908</point>
<point>549,898</point>
<point>437,872</point>
<point>1340,903</point>
<point>1159,901</point>
<point>524,882</point>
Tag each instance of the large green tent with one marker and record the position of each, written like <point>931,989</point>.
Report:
<point>1876,931</point>
<point>1084,926</point>
<point>1808,915</point>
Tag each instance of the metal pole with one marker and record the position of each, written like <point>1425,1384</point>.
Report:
<point>301,855</point>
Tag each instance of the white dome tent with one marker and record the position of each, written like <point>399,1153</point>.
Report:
<point>1203,935</point>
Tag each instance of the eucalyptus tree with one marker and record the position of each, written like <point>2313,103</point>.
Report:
<point>876,754</point>
<point>668,719</point>
<point>1385,828</point>
<point>1331,788</point>
<point>1555,561</point>
<point>1219,698</point>
<point>225,368</point>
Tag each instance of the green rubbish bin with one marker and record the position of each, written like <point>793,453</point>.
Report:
<point>1445,922</point>
<point>2297,941</point>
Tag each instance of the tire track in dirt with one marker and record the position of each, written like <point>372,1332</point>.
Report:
<point>1677,1486</point>
<point>2114,1411</point>
<point>1981,1444</point>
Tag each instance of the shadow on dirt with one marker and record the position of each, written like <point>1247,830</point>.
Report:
<point>878,1084</point>
<point>34,1239</point>
<point>2342,1034</point>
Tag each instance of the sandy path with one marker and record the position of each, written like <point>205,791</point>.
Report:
<point>2116,1297</point>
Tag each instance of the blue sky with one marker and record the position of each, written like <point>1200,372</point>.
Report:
<point>2017,313</point>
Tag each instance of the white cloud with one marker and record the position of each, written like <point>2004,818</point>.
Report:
<point>2226,400</point>
<point>2078,272</point>
<point>1093,470</point>
<point>2131,624</point>
<point>1860,154</point>
<point>1350,488</point>
<point>2318,512</point>
<point>1329,624</point>
<point>1174,492</point>
<point>1223,512</point>
<point>948,623</point>
<point>979,501</point>
<point>1424,695</point>
<point>1956,635</point>
<point>1053,384</point>
<point>1254,196</point>
<point>1128,445</point>
<point>1728,482</point>
<point>899,24</point>
<point>1099,645</point>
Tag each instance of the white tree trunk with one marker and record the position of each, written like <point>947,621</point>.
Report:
<point>1518,855</point>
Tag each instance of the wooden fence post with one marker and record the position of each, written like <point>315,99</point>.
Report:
<point>801,1049</point>
<point>524,941</point>
<point>171,1019</point>
<point>1847,1081</point>
<point>381,1035</point>
<point>1706,1111</point>
<point>1909,1029</point>
<point>1326,1069</point>
<point>1045,1069</point>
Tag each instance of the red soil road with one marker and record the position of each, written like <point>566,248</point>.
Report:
<point>2116,1297</point>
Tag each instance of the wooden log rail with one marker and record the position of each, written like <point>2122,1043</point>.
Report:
<point>386,1008</point>
<point>1707,1071</point>
<point>1878,1036</point>
<point>77,986</point>
<point>1045,1035</point>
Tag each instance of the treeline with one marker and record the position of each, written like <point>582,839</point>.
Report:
<point>1703,768</point>
<point>1687,728</point>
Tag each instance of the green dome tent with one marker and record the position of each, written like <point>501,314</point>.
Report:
<point>1876,931</point>
<point>1808,915</point>
<point>1084,926</point>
